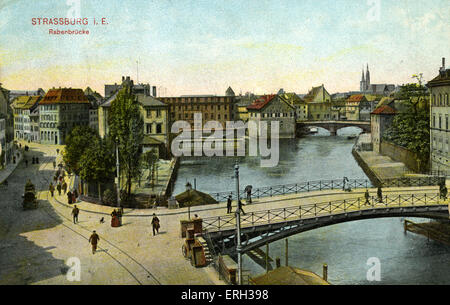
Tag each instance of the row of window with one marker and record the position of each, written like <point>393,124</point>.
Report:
<point>440,122</point>
<point>440,100</point>
<point>149,128</point>
<point>206,116</point>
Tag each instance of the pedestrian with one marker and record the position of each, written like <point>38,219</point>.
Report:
<point>75,213</point>
<point>367,196</point>
<point>57,151</point>
<point>54,164</point>
<point>343,183</point>
<point>58,187</point>
<point>75,193</point>
<point>444,192</point>
<point>51,188</point>
<point>239,207</point>
<point>248,190</point>
<point>74,197</point>
<point>155,224</point>
<point>380,194</point>
<point>69,197</point>
<point>64,186</point>
<point>93,240</point>
<point>119,215</point>
<point>229,204</point>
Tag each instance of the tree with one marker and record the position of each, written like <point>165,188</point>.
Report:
<point>97,164</point>
<point>126,127</point>
<point>410,129</point>
<point>149,160</point>
<point>77,141</point>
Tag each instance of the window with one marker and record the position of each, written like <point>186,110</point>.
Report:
<point>158,113</point>
<point>149,128</point>
<point>149,113</point>
<point>158,128</point>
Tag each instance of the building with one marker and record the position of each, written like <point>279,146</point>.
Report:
<point>2,142</point>
<point>358,108</point>
<point>156,125</point>
<point>34,124</point>
<point>439,121</point>
<point>23,106</point>
<point>144,89</point>
<point>13,94</point>
<point>381,118</point>
<point>269,108</point>
<point>6,113</point>
<point>242,101</point>
<point>95,99</point>
<point>301,107</point>
<point>378,89</point>
<point>318,101</point>
<point>212,107</point>
<point>60,111</point>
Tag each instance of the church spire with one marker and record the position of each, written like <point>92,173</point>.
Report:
<point>367,77</point>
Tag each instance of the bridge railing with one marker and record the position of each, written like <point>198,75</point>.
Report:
<point>227,222</point>
<point>294,188</point>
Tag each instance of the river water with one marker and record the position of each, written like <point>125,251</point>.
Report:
<point>347,247</point>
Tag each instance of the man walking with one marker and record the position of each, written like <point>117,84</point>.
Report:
<point>64,187</point>
<point>367,196</point>
<point>93,240</point>
<point>380,194</point>
<point>155,224</point>
<point>444,192</point>
<point>51,188</point>
<point>58,187</point>
<point>240,207</point>
<point>248,190</point>
<point>229,204</point>
<point>75,212</point>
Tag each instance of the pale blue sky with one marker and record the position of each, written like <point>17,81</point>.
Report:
<point>205,46</point>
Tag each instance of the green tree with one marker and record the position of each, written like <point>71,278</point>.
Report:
<point>410,128</point>
<point>149,160</point>
<point>126,127</point>
<point>97,164</point>
<point>77,141</point>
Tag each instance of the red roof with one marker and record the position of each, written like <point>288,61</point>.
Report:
<point>356,98</point>
<point>261,102</point>
<point>64,95</point>
<point>384,110</point>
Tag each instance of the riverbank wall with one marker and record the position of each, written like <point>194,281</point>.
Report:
<point>401,154</point>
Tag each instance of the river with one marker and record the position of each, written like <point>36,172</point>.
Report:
<point>346,248</point>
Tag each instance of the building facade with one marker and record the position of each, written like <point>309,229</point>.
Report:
<point>6,113</point>
<point>301,107</point>
<point>380,119</point>
<point>23,106</point>
<point>59,112</point>
<point>212,108</point>
<point>156,125</point>
<point>34,124</point>
<point>318,102</point>
<point>439,121</point>
<point>358,108</point>
<point>269,108</point>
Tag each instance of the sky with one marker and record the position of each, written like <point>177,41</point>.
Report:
<point>204,46</point>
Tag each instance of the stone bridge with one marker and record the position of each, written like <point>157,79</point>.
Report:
<point>334,126</point>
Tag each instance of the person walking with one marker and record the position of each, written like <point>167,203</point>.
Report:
<point>54,164</point>
<point>444,192</point>
<point>239,207</point>
<point>75,212</point>
<point>367,196</point>
<point>155,224</point>
<point>248,190</point>
<point>51,188</point>
<point>229,204</point>
<point>380,194</point>
<point>93,240</point>
<point>64,187</point>
<point>58,187</point>
<point>69,197</point>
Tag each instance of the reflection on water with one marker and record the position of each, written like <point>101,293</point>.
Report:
<point>405,259</point>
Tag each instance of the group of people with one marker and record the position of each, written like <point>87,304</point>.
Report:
<point>379,196</point>
<point>443,191</point>
<point>239,205</point>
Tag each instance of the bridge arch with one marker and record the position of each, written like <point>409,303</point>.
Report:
<point>334,126</point>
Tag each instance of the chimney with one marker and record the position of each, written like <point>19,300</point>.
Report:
<point>443,63</point>
<point>154,91</point>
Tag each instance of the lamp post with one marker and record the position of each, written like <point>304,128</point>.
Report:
<point>188,189</point>
<point>118,172</point>
<point>238,225</point>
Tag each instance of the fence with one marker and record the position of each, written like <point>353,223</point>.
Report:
<point>319,209</point>
<point>320,185</point>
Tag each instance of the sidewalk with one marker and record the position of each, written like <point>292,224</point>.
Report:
<point>6,172</point>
